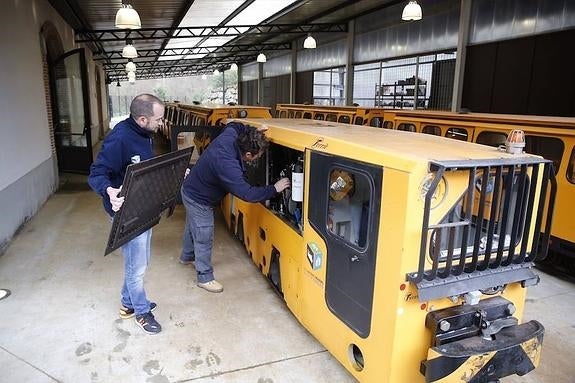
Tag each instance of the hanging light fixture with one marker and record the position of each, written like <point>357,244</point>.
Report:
<point>129,51</point>
<point>130,66</point>
<point>204,76</point>
<point>234,66</point>
<point>118,84</point>
<point>132,77</point>
<point>128,18</point>
<point>412,11</point>
<point>309,42</point>
<point>4,293</point>
<point>262,58</point>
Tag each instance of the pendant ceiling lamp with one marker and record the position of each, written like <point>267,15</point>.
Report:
<point>128,18</point>
<point>309,43</point>
<point>132,77</point>
<point>234,66</point>
<point>412,11</point>
<point>129,51</point>
<point>262,58</point>
<point>130,66</point>
<point>204,77</point>
<point>216,72</point>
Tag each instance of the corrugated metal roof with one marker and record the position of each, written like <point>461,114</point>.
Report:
<point>93,21</point>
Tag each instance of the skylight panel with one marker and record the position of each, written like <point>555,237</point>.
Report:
<point>169,58</point>
<point>260,10</point>
<point>216,41</point>
<point>209,12</point>
<point>183,43</point>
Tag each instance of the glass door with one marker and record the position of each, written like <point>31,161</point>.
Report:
<point>71,112</point>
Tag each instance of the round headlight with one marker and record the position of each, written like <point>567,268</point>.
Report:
<point>438,194</point>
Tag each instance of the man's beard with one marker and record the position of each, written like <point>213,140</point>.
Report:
<point>151,129</point>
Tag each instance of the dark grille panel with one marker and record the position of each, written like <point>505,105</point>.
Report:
<point>488,230</point>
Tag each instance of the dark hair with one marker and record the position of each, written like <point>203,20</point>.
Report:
<point>143,105</point>
<point>252,140</point>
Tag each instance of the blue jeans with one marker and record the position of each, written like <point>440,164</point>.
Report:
<point>136,258</point>
<point>199,237</point>
<point>188,254</point>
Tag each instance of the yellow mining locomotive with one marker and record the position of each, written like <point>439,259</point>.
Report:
<point>406,255</point>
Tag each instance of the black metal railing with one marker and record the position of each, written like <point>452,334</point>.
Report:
<point>483,240</point>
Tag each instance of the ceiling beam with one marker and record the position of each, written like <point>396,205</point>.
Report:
<point>176,63</point>
<point>159,72</point>
<point>190,32</point>
<point>193,50</point>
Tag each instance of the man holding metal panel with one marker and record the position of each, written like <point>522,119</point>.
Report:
<point>130,142</point>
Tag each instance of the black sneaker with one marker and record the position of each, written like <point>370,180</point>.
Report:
<point>127,313</point>
<point>148,323</point>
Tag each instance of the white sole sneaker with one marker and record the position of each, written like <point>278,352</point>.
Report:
<point>212,286</point>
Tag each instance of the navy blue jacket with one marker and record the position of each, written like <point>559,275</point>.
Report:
<point>126,144</point>
<point>220,170</point>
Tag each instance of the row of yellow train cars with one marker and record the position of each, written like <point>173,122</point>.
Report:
<point>406,255</point>
<point>550,137</point>
<point>179,117</point>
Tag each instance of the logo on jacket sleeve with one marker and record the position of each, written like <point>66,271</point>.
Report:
<point>135,159</point>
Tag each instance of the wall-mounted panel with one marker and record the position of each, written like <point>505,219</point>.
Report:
<point>276,90</point>
<point>330,55</point>
<point>277,66</point>
<point>435,32</point>
<point>553,78</point>
<point>531,75</point>
<point>496,20</point>
<point>249,92</point>
<point>304,87</point>
<point>479,72</point>
<point>249,72</point>
<point>512,76</point>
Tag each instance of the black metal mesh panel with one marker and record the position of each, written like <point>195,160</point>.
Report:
<point>150,187</point>
<point>491,236</point>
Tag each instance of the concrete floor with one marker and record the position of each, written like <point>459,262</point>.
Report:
<point>61,324</point>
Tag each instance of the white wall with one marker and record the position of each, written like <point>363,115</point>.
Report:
<point>24,132</point>
<point>28,173</point>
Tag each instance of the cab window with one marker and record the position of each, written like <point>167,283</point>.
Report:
<point>431,129</point>
<point>331,117</point>
<point>375,122</point>
<point>457,134</point>
<point>344,119</point>
<point>406,127</point>
<point>571,167</point>
<point>349,206</point>
<point>491,138</point>
<point>547,147</point>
